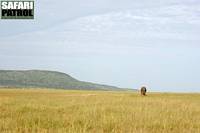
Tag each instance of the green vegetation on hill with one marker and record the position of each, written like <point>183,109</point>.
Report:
<point>46,79</point>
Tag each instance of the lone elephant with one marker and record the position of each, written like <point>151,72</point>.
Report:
<point>143,91</point>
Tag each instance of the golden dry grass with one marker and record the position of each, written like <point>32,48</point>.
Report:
<point>55,111</point>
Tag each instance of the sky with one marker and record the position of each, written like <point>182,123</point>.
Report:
<point>125,43</point>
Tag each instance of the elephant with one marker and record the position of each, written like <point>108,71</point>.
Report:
<point>143,91</point>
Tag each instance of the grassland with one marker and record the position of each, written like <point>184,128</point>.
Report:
<point>55,111</point>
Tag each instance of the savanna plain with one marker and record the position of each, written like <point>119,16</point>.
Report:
<point>76,111</point>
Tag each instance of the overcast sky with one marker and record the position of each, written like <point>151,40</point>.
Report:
<point>125,43</point>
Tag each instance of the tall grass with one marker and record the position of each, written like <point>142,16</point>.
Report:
<point>56,111</point>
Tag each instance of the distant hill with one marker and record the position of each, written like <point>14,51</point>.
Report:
<point>46,79</point>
